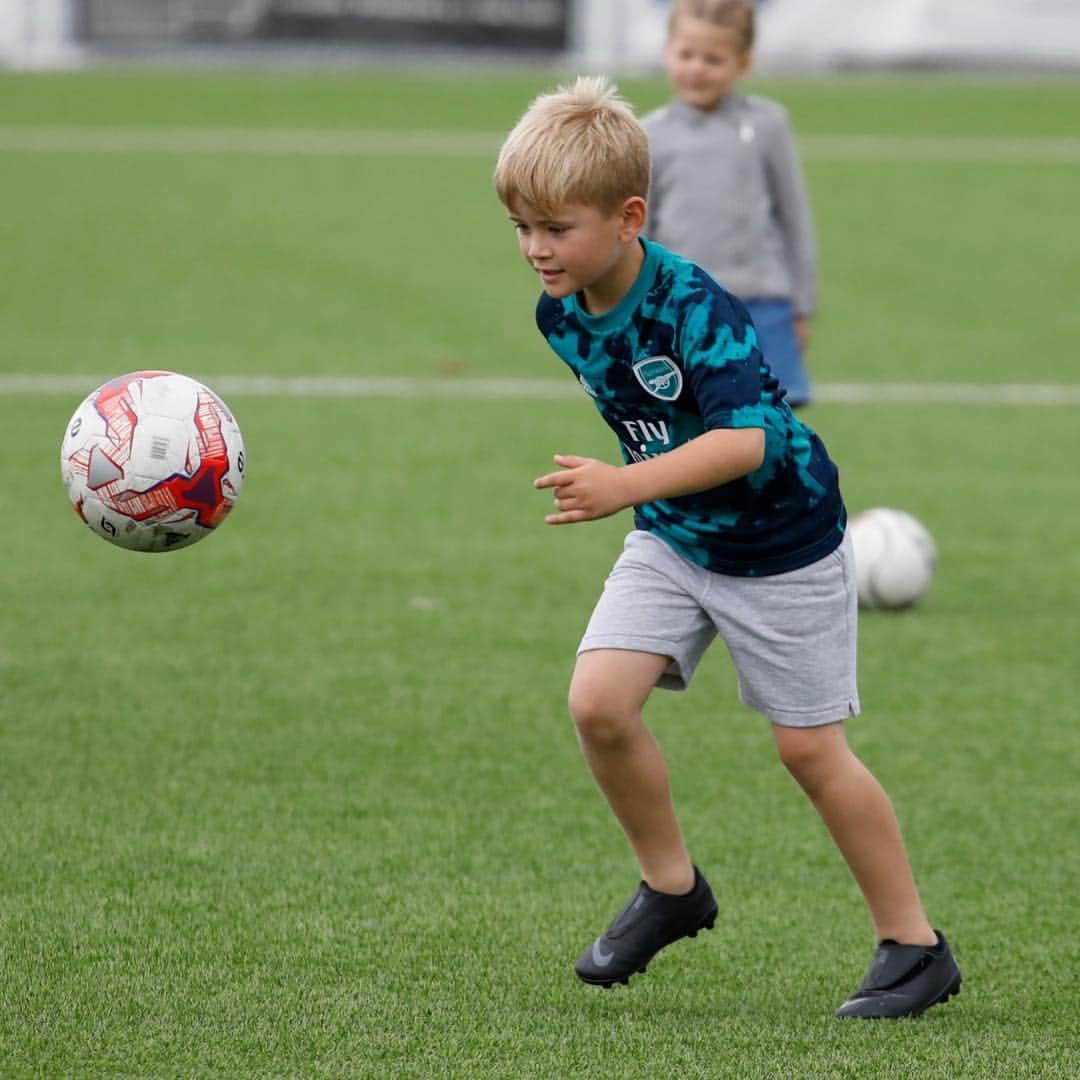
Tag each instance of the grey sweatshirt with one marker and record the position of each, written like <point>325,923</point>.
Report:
<point>728,193</point>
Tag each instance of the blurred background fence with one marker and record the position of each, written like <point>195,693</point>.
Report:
<point>793,34</point>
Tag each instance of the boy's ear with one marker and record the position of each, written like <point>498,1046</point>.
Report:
<point>745,62</point>
<point>632,214</point>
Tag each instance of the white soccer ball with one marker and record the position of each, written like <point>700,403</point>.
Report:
<point>895,557</point>
<point>152,461</point>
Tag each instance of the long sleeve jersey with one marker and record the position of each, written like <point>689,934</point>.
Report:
<point>728,194</point>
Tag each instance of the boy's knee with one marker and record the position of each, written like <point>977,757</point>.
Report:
<point>599,714</point>
<point>810,754</point>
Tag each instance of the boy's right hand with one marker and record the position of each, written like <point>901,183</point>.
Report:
<point>585,489</point>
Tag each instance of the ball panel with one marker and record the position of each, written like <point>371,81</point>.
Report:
<point>160,446</point>
<point>868,541</point>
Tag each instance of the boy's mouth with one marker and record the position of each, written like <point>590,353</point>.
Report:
<point>548,276</point>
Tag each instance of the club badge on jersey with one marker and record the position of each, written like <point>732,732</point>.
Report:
<point>660,376</point>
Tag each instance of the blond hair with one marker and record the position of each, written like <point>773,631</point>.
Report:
<point>581,144</point>
<point>734,15</point>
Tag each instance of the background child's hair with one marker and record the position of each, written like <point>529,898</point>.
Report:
<point>734,15</point>
<point>581,144</point>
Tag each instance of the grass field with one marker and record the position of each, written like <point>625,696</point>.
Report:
<point>304,799</point>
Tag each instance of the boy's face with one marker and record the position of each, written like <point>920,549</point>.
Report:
<point>581,249</point>
<point>703,62</point>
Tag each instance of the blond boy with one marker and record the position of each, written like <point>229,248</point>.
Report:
<point>739,532</point>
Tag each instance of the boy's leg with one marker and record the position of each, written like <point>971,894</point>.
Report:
<point>607,693</point>
<point>774,321</point>
<point>860,817</point>
<point>913,967</point>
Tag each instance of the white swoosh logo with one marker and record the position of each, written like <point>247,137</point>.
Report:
<point>601,958</point>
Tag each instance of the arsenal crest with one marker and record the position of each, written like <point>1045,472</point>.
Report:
<point>660,376</point>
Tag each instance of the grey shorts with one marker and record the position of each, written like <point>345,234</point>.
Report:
<point>792,636</point>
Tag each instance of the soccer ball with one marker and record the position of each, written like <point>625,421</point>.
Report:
<point>895,558</point>
<point>152,461</point>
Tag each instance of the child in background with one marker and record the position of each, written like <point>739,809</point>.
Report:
<point>727,187</point>
<point>738,532</point>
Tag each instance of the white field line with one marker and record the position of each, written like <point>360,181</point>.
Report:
<point>47,139</point>
<point>952,148</point>
<point>513,389</point>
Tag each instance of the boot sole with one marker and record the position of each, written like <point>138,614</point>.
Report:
<point>950,991</point>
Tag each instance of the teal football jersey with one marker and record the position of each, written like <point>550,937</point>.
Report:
<point>677,357</point>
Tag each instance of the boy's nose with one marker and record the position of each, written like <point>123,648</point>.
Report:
<point>538,247</point>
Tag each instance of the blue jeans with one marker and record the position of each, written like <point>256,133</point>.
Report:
<point>774,321</point>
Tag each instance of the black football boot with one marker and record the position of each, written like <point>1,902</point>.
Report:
<point>904,980</point>
<point>650,921</point>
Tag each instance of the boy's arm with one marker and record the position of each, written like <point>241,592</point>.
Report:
<point>587,489</point>
<point>794,216</point>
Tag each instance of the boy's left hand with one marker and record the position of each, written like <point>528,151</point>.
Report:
<point>585,489</point>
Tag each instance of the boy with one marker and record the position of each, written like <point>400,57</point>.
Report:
<point>727,186</point>
<point>739,531</point>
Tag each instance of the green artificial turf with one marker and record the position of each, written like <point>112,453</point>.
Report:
<point>304,800</point>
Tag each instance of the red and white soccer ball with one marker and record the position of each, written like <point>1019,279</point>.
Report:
<point>895,558</point>
<point>152,461</point>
